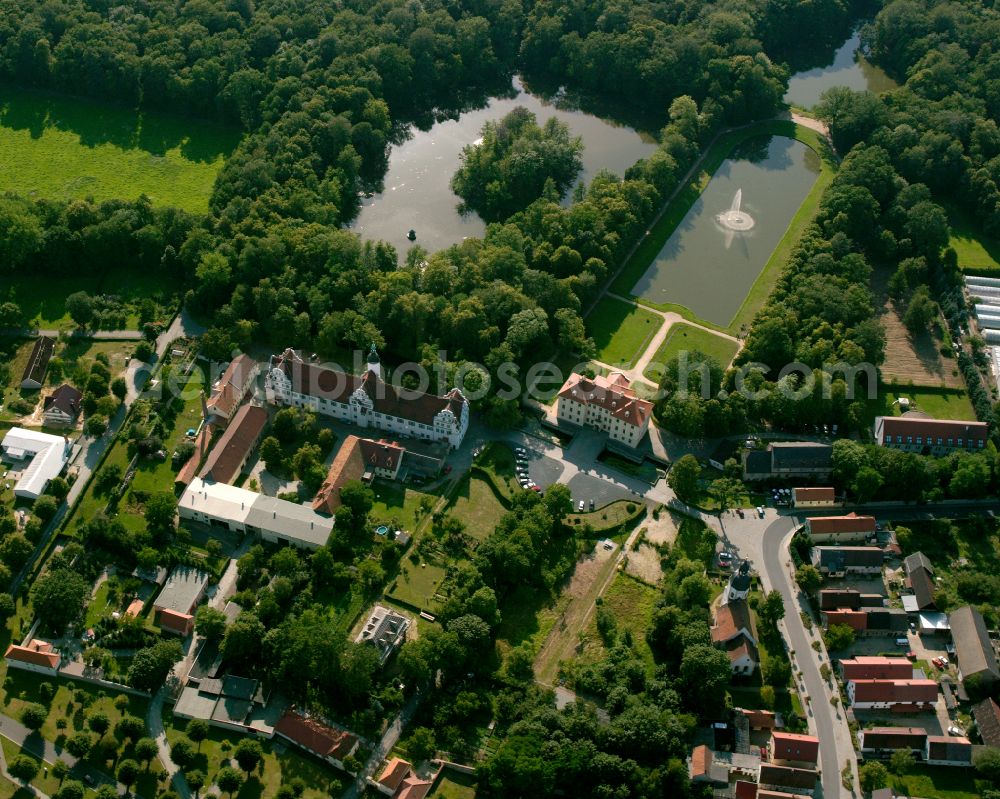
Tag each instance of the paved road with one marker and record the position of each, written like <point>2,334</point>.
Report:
<point>829,724</point>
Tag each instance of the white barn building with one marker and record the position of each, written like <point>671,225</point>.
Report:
<point>48,454</point>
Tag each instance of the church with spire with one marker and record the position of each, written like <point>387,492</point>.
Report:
<point>368,400</point>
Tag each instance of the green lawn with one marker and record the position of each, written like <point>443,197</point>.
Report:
<point>61,147</point>
<point>683,337</point>
<point>277,767</point>
<point>621,331</point>
<point>937,402</point>
<point>477,506</point>
<point>453,785</point>
<point>632,602</point>
<point>610,516</point>
<point>398,506</point>
<point>976,251</point>
<point>651,244</point>
<point>16,353</point>
<point>939,782</point>
<point>44,301</point>
<point>417,583</point>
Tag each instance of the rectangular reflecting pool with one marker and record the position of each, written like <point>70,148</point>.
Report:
<point>709,268</point>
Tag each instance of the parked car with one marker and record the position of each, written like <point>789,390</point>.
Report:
<point>591,504</point>
<point>725,556</point>
<point>760,511</point>
<point>579,506</point>
<point>938,662</point>
<point>958,732</point>
<point>944,660</point>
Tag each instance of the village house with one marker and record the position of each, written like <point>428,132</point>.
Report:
<point>824,497</point>
<point>327,743</point>
<point>840,529</point>
<point>920,578</point>
<point>62,407</point>
<point>915,433</point>
<point>857,620</point>
<point>791,749</point>
<point>987,716</point>
<point>386,630</point>
<point>399,780</point>
<point>841,561</point>
<point>734,632</point>
<point>943,750</point>
<point>38,363</point>
<point>974,654</point>
<point>367,401</point>
<point>231,389</point>
<point>848,599</point>
<point>881,742</point>
<point>791,780</point>
<point>358,459</point>
<point>605,403</point>
<point>231,453</point>
<point>788,459</point>
<point>896,695</point>
<point>37,656</point>
<point>174,608</point>
<point>875,667</point>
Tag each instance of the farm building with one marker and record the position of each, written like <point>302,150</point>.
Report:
<point>231,389</point>
<point>174,607</point>
<point>916,433</point>
<point>788,459</point>
<point>897,695</point>
<point>814,497</point>
<point>920,576</point>
<point>232,451</point>
<point>973,649</point>
<point>38,363</point>
<point>38,656</point>
<point>840,529</point>
<point>48,455</point>
<point>327,743</point>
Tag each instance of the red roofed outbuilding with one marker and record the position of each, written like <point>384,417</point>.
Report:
<point>37,656</point>
<point>324,741</point>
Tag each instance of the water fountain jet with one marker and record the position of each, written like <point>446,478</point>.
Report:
<point>736,219</point>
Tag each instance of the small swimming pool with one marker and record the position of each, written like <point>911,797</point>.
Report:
<point>381,530</point>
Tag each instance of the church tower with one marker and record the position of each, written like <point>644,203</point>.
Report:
<point>374,364</point>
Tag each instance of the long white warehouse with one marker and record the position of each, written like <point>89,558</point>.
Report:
<point>48,454</point>
<point>243,511</point>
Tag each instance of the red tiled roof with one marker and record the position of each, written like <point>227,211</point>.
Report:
<point>851,523</point>
<point>348,465</point>
<point>902,691</point>
<point>855,619</point>
<point>814,494</point>
<point>201,447</point>
<point>381,454</point>
<point>876,668</point>
<point>414,788</point>
<point>229,393</point>
<point>37,653</point>
<point>135,608</point>
<point>730,619</point>
<point>227,456</point>
<point>790,746</point>
<point>394,773</point>
<point>746,790</point>
<point>172,620</point>
<point>315,736</point>
<point>935,428</point>
<point>701,761</point>
<point>894,738</point>
<point>761,719</point>
<point>610,393</point>
<point>740,647</point>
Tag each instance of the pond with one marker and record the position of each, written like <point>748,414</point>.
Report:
<point>848,67</point>
<point>710,269</point>
<point>417,194</point>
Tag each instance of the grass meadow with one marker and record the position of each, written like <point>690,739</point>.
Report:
<point>62,147</point>
<point>621,331</point>
<point>693,339</point>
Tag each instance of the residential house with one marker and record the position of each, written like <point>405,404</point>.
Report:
<point>386,630</point>
<point>857,620</point>
<point>740,583</point>
<point>231,453</point>
<point>915,433</point>
<point>327,743</point>
<point>231,389</point>
<point>367,401</point>
<point>62,407</point>
<point>703,768</point>
<point>734,632</point>
<point>239,510</point>
<point>920,577</point>
<point>38,363</point>
<point>887,621</point>
<point>400,781</point>
<point>48,455</point>
<point>850,528</point>
<point>839,599</point>
<point>358,459</point>
<point>606,403</point>
<point>787,748</point>
<point>37,656</point>
<point>943,750</point>
<point>786,778</point>
<point>987,716</point>
<point>897,695</point>
<point>974,653</point>
<point>230,702</point>
<point>881,742</point>
<point>841,561</point>
<point>788,459</point>
<point>824,497</point>
<point>174,608</point>
<point>864,667</point>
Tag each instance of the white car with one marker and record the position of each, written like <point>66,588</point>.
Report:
<point>760,511</point>
<point>579,506</point>
<point>958,732</point>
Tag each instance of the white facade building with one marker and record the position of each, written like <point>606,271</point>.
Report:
<point>367,401</point>
<point>48,455</point>
<point>606,403</point>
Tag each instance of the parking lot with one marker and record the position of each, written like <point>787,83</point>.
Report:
<point>586,484</point>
